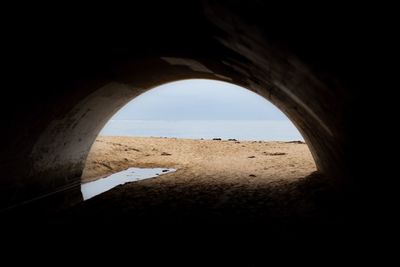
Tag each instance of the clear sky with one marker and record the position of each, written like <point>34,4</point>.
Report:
<point>199,100</point>
<point>201,109</point>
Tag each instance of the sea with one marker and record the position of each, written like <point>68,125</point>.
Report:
<point>257,130</point>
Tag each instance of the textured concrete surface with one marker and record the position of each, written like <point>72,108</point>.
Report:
<point>67,75</point>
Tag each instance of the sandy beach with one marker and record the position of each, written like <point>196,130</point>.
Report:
<point>217,181</point>
<point>221,161</point>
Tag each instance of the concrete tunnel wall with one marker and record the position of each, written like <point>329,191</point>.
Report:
<point>46,160</point>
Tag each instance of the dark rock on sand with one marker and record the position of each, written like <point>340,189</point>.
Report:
<point>165,154</point>
<point>295,142</point>
<point>274,154</point>
<point>251,157</point>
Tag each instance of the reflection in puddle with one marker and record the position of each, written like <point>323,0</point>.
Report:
<point>94,188</point>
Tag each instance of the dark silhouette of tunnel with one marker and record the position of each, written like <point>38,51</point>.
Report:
<point>74,74</point>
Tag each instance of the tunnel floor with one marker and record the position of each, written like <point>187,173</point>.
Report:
<point>284,202</point>
<point>217,182</point>
<point>303,210</point>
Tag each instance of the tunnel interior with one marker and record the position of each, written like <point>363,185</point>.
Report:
<point>79,85</point>
<point>63,147</point>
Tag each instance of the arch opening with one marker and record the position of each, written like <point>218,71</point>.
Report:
<point>202,128</point>
<point>67,91</point>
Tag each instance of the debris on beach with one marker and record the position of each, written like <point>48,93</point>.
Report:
<point>274,154</point>
<point>295,142</point>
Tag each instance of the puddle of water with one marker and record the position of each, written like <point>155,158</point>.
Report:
<point>94,188</point>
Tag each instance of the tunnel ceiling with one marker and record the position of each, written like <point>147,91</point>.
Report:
<point>68,74</point>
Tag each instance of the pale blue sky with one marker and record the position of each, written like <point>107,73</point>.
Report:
<point>199,100</point>
<point>201,109</point>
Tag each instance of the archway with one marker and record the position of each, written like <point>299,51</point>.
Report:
<point>52,131</point>
<point>60,152</point>
<point>181,120</point>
